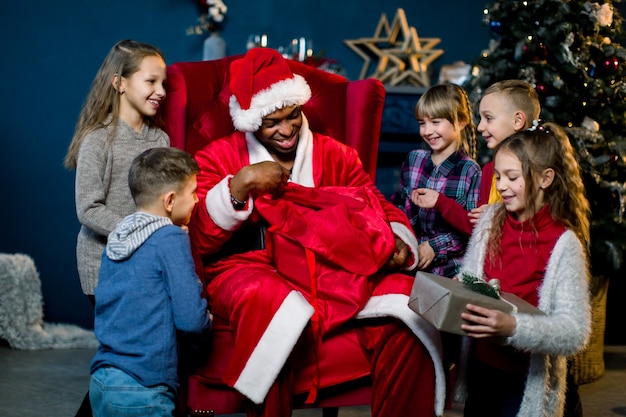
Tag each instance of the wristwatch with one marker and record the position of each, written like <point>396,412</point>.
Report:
<point>237,205</point>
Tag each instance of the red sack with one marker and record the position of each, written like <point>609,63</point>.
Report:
<point>347,237</point>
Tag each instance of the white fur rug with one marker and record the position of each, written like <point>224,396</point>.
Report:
<point>21,311</point>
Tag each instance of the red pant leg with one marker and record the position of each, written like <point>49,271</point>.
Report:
<point>267,318</point>
<point>403,374</point>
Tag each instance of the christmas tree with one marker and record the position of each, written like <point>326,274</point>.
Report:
<point>570,52</point>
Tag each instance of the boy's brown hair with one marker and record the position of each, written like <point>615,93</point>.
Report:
<point>156,170</point>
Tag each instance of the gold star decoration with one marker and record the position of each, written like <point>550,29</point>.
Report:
<point>403,58</point>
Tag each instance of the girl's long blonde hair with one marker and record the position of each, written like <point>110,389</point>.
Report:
<point>450,102</point>
<point>547,146</point>
<point>123,60</point>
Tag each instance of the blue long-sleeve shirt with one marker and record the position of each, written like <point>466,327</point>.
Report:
<point>145,298</point>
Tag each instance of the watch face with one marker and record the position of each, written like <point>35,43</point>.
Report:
<point>237,205</point>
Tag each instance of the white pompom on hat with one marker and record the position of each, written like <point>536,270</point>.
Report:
<point>261,83</point>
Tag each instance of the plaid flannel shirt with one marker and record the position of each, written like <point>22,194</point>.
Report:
<point>457,177</point>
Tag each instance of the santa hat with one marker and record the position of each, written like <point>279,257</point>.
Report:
<point>261,83</point>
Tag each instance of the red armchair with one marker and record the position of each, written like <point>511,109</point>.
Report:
<point>196,112</point>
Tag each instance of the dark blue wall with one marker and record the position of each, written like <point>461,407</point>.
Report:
<point>50,52</point>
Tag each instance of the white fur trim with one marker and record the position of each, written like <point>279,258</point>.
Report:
<point>256,151</point>
<point>221,209</point>
<point>284,93</point>
<point>396,305</point>
<point>408,238</point>
<point>302,172</point>
<point>275,346</point>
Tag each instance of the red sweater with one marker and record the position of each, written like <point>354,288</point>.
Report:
<point>526,249</point>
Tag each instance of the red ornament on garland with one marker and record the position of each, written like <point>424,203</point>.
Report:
<point>541,89</point>
<point>610,65</point>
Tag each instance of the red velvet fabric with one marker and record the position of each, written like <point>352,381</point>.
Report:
<point>329,222</point>
<point>195,113</point>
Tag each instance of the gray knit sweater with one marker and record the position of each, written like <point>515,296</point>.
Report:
<point>562,332</point>
<point>102,194</point>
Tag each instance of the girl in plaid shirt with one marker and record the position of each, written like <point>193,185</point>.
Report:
<point>445,118</point>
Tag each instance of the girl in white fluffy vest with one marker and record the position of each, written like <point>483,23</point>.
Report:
<point>535,243</point>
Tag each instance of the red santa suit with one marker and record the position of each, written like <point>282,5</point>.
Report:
<point>270,314</point>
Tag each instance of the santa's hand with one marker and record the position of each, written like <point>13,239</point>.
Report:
<point>262,178</point>
<point>399,256</point>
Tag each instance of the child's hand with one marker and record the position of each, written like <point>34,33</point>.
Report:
<point>484,322</point>
<point>425,254</point>
<point>424,197</point>
<point>185,228</point>
<point>475,213</point>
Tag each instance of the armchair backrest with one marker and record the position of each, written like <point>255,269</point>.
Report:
<point>196,110</point>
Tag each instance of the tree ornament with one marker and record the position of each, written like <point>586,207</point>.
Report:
<point>610,65</point>
<point>527,74</point>
<point>521,51</point>
<point>541,89</point>
<point>530,50</point>
<point>496,27</point>
<point>591,69</point>
<point>590,124</point>
<point>557,82</point>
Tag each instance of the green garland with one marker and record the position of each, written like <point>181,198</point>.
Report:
<point>479,285</point>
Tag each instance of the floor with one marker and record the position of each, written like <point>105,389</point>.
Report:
<point>52,383</point>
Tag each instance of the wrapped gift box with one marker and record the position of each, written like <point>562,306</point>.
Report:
<point>440,301</point>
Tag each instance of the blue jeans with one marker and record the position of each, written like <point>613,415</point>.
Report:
<point>115,393</point>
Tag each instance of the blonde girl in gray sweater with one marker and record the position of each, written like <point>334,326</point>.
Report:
<point>115,125</point>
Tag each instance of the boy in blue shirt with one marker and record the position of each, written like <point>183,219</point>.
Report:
<point>148,291</point>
